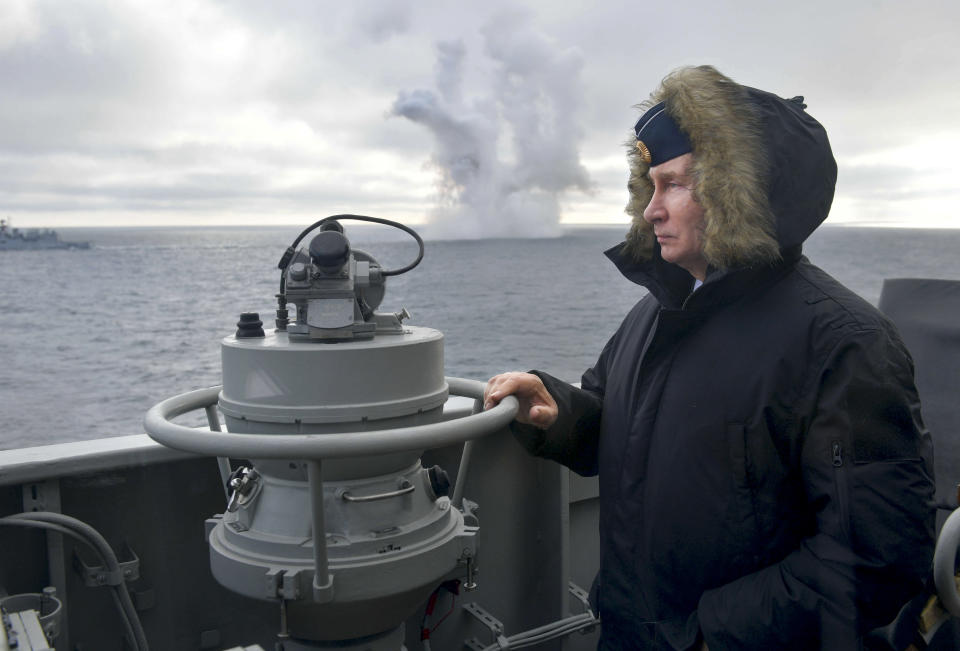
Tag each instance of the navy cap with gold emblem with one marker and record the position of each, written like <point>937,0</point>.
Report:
<point>659,138</point>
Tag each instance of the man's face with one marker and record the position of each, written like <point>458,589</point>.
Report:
<point>676,217</point>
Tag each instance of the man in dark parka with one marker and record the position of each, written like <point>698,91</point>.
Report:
<point>765,476</point>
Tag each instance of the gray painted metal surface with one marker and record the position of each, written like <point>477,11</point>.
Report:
<point>156,504</point>
<point>35,464</point>
<point>276,378</point>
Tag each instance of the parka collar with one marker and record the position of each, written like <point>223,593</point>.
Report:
<point>672,285</point>
<point>764,170</point>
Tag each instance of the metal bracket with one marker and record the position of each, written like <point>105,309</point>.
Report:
<point>243,486</point>
<point>469,510</point>
<point>45,496</point>
<point>582,596</point>
<point>97,575</point>
<point>42,496</point>
<point>491,622</point>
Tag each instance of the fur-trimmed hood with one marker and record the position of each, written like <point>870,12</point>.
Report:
<point>763,170</point>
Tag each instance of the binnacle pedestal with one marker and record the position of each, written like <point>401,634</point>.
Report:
<point>390,533</point>
<point>332,515</point>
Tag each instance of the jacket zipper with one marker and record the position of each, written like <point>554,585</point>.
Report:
<point>840,484</point>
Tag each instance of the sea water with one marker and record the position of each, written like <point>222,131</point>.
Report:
<point>91,339</point>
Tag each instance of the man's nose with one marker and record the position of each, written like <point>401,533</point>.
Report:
<point>654,210</point>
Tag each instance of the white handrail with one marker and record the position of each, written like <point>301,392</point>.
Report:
<point>944,564</point>
<point>321,446</point>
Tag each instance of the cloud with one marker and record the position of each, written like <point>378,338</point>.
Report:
<point>380,21</point>
<point>137,104</point>
<point>530,109</point>
<point>885,187</point>
<point>18,23</point>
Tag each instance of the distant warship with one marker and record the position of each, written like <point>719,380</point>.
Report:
<point>14,239</point>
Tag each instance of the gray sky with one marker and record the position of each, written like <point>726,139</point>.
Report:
<point>495,117</point>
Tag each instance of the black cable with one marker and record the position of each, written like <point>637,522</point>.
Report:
<point>127,624</point>
<point>291,250</point>
<point>88,535</point>
<point>42,525</point>
<point>112,563</point>
<point>91,537</point>
<point>402,227</point>
<point>39,524</point>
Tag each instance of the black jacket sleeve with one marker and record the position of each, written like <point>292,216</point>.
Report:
<point>573,439</point>
<point>867,472</point>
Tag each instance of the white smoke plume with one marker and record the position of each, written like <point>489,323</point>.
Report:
<point>528,114</point>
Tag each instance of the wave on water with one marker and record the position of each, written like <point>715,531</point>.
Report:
<point>94,338</point>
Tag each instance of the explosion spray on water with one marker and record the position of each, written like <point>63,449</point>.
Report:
<point>533,101</point>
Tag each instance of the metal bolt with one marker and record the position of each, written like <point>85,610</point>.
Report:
<point>47,603</point>
<point>471,583</point>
